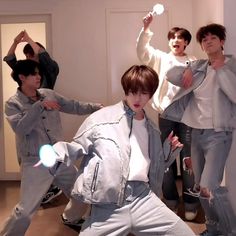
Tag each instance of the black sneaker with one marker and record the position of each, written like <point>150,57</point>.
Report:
<point>76,223</point>
<point>51,194</point>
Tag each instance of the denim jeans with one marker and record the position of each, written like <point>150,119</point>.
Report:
<point>210,150</point>
<point>169,188</point>
<point>142,213</point>
<point>35,181</point>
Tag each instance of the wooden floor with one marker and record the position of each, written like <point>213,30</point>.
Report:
<point>47,221</point>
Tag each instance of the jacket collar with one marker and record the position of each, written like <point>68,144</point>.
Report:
<point>26,99</point>
<point>202,64</point>
<point>129,112</point>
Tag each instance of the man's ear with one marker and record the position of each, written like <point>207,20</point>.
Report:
<point>222,44</point>
<point>22,77</point>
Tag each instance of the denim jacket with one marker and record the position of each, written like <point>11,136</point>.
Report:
<point>35,126</point>
<point>103,140</point>
<point>224,102</point>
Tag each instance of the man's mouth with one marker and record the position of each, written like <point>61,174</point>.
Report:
<point>136,105</point>
<point>176,46</point>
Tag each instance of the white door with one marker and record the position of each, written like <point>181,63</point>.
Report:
<point>37,27</point>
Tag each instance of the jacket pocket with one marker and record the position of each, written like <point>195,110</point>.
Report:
<point>94,180</point>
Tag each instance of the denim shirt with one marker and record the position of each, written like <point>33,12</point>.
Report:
<point>35,126</point>
<point>103,141</point>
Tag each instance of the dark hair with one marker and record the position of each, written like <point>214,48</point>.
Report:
<point>24,67</point>
<point>140,78</point>
<point>215,29</point>
<point>183,33</point>
<point>29,50</point>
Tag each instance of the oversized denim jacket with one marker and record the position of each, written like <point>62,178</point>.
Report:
<point>35,126</point>
<point>103,140</point>
<point>224,102</point>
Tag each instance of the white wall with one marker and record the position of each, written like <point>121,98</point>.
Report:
<point>79,36</point>
<point>205,12</point>
<point>94,43</point>
<point>229,19</point>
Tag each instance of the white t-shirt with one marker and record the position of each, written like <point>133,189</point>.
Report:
<point>139,159</point>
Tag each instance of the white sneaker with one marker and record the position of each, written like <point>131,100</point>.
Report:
<point>190,215</point>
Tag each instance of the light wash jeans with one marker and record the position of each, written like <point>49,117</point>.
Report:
<point>142,213</point>
<point>35,181</point>
<point>210,150</point>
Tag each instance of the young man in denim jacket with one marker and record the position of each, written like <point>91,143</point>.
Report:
<point>206,102</point>
<point>49,71</point>
<point>123,165</point>
<point>34,115</point>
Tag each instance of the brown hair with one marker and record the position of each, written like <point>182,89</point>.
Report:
<point>215,29</point>
<point>140,78</point>
<point>185,34</point>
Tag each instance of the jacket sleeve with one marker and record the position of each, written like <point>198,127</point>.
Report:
<point>175,75</point>
<point>145,52</point>
<point>169,155</point>
<point>69,152</point>
<point>226,77</point>
<point>10,60</point>
<point>81,146</point>
<point>22,121</point>
<point>76,107</point>
<point>49,68</point>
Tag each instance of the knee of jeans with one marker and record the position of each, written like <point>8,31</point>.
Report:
<point>20,212</point>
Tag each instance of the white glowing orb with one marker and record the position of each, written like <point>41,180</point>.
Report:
<point>158,9</point>
<point>47,155</point>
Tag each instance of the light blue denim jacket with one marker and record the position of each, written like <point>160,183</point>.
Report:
<point>35,126</point>
<point>224,102</point>
<point>103,140</point>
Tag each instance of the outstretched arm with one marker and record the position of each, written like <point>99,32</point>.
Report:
<point>18,39</point>
<point>10,58</point>
<point>145,52</point>
<point>36,48</point>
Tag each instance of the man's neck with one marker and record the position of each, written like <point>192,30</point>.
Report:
<point>180,54</point>
<point>32,93</point>
<point>139,116</point>
<point>216,57</point>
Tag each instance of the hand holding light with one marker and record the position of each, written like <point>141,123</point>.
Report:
<point>47,156</point>
<point>158,9</point>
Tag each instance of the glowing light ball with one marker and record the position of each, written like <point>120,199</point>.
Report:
<point>47,156</point>
<point>158,9</point>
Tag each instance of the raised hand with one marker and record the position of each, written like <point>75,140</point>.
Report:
<point>147,20</point>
